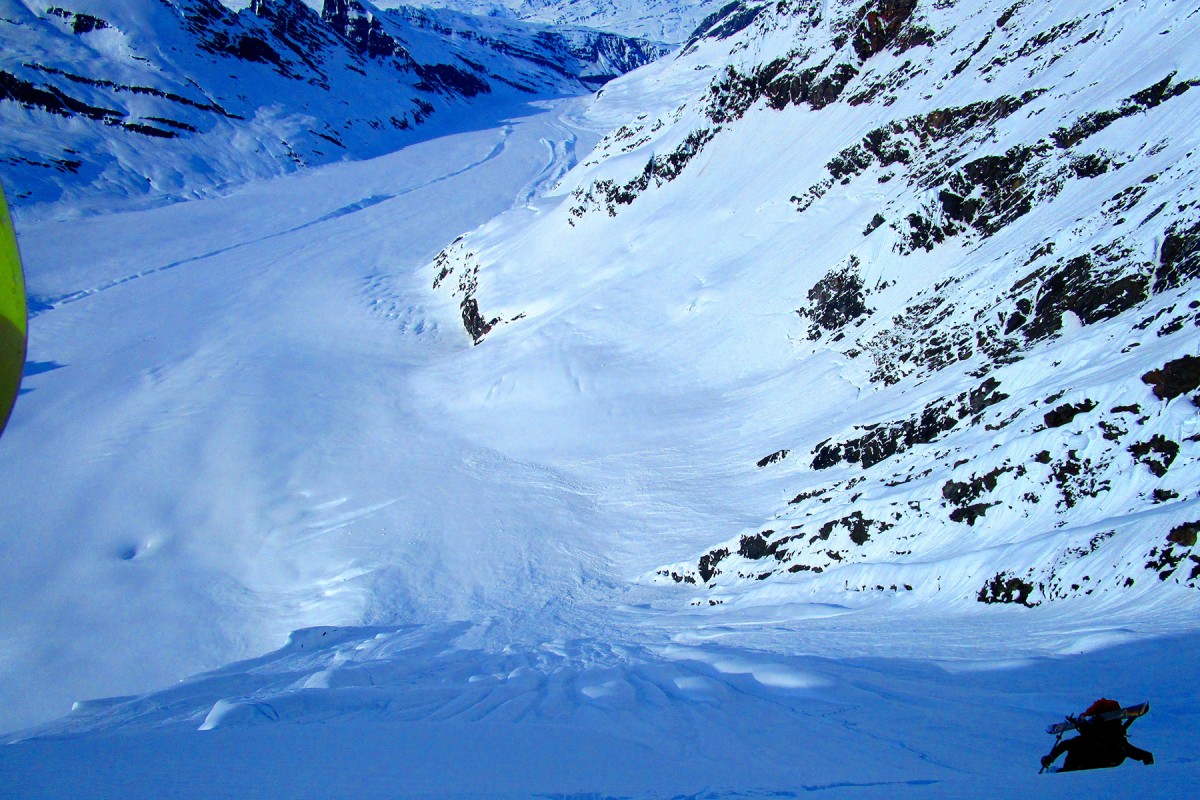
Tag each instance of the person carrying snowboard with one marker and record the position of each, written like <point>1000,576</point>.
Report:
<point>1101,742</point>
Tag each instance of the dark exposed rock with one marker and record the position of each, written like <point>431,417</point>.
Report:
<point>1112,431</point>
<point>756,547</point>
<point>363,31</point>
<point>923,233</point>
<point>1007,15</point>
<point>1158,453</point>
<point>1077,478</point>
<point>881,26</point>
<point>1179,257</point>
<point>781,85</point>
<point>1063,414</point>
<point>859,527</point>
<point>708,563</point>
<point>1174,378</point>
<point>920,341</point>
<point>1095,267</point>
<point>1123,201</point>
<point>784,82</point>
<point>1005,587</point>
<point>1179,548</point>
<point>1090,165</point>
<point>148,130</point>
<point>50,98</point>
<point>835,300</point>
<point>677,577</point>
<point>1093,122</point>
<point>970,513</point>
<point>118,88</point>
<point>914,140</point>
<point>961,492</point>
<point>731,97</point>
<point>252,48</point>
<point>80,23</point>
<point>886,439</point>
<point>1084,286</point>
<point>477,327</point>
<point>450,80</point>
<point>809,495</point>
<point>68,165</point>
<point>659,170</point>
<point>174,123</point>
<point>998,186</point>
<point>292,26</point>
<point>774,458</point>
<point>1185,534</point>
<point>726,21</point>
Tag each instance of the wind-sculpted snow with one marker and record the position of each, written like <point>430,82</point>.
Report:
<point>178,98</point>
<point>408,711</point>
<point>950,243</point>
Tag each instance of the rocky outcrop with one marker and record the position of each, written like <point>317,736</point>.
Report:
<point>1176,377</point>
<point>80,23</point>
<point>836,300</point>
<point>884,440</point>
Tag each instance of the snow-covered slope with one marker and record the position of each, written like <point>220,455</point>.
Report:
<point>940,260</point>
<point>113,97</point>
<point>660,20</point>
<point>532,529</point>
<point>385,712</point>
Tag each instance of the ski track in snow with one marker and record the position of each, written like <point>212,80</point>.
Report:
<point>560,159</point>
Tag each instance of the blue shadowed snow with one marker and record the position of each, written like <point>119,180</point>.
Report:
<point>392,711</point>
<point>38,367</point>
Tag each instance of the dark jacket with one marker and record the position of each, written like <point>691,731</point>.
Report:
<point>1100,743</point>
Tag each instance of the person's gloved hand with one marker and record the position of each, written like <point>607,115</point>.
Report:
<point>1047,761</point>
<point>1149,759</point>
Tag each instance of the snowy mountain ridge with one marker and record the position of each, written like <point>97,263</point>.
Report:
<point>659,20</point>
<point>175,98</point>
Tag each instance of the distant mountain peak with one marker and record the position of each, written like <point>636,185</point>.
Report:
<point>188,76</point>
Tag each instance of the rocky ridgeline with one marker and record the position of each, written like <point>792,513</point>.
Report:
<point>309,86</point>
<point>657,20</point>
<point>1064,202</point>
<point>815,75</point>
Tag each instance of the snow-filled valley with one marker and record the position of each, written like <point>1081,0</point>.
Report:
<point>812,411</point>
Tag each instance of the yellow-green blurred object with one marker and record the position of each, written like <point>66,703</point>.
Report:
<point>13,321</point>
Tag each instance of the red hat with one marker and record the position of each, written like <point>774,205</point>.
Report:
<point>1101,706</point>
